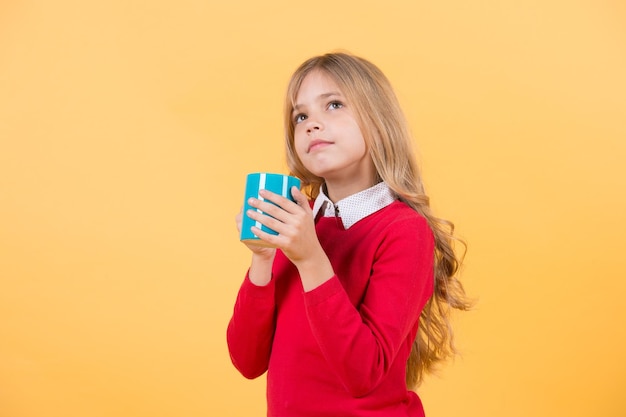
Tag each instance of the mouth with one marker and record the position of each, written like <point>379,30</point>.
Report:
<point>318,143</point>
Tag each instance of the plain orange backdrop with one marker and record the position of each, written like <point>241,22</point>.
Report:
<point>126,131</point>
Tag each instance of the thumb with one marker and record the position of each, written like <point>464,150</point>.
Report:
<point>300,198</point>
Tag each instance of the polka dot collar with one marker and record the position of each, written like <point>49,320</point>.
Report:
<point>355,207</point>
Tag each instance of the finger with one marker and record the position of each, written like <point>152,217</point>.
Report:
<point>239,220</point>
<point>257,247</point>
<point>282,202</point>
<point>268,238</point>
<point>300,198</point>
<point>277,199</point>
<point>266,220</point>
<point>267,207</point>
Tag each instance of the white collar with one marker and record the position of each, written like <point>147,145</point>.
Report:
<point>355,207</point>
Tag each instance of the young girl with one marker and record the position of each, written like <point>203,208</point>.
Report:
<point>349,305</point>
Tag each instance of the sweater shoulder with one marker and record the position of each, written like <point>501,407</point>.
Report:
<point>399,213</point>
<point>398,221</point>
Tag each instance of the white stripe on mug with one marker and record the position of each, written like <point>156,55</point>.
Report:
<point>261,187</point>
<point>285,185</point>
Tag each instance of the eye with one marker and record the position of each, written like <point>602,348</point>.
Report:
<point>299,118</point>
<point>333,105</point>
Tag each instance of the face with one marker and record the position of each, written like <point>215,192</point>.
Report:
<point>327,137</point>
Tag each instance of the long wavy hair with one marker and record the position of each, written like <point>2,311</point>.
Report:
<point>389,141</point>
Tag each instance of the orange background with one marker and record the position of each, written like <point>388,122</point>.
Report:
<point>126,131</point>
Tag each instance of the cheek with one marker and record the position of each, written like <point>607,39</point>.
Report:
<point>299,145</point>
<point>358,140</point>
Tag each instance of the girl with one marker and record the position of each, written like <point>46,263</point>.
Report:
<point>349,305</point>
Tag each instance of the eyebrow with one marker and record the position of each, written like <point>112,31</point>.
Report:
<point>320,97</point>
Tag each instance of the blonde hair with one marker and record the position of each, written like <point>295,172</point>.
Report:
<point>387,136</point>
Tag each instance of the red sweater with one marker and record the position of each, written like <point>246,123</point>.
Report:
<point>340,349</point>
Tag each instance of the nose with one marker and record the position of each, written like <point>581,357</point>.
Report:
<point>313,125</point>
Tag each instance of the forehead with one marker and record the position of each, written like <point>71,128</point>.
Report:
<point>315,84</point>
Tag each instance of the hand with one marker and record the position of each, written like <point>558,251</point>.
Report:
<point>262,251</point>
<point>296,234</point>
<point>292,221</point>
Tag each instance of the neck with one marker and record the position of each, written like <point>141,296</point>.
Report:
<point>338,190</point>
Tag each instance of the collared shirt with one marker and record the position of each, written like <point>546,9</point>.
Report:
<point>355,207</point>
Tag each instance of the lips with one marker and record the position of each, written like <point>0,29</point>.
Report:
<point>317,143</point>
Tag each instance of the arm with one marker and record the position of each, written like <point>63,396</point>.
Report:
<point>251,329</point>
<point>361,345</point>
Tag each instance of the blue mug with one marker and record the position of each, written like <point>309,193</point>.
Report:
<point>277,183</point>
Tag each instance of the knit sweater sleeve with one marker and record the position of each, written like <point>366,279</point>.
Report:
<point>360,343</point>
<point>251,328</point>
